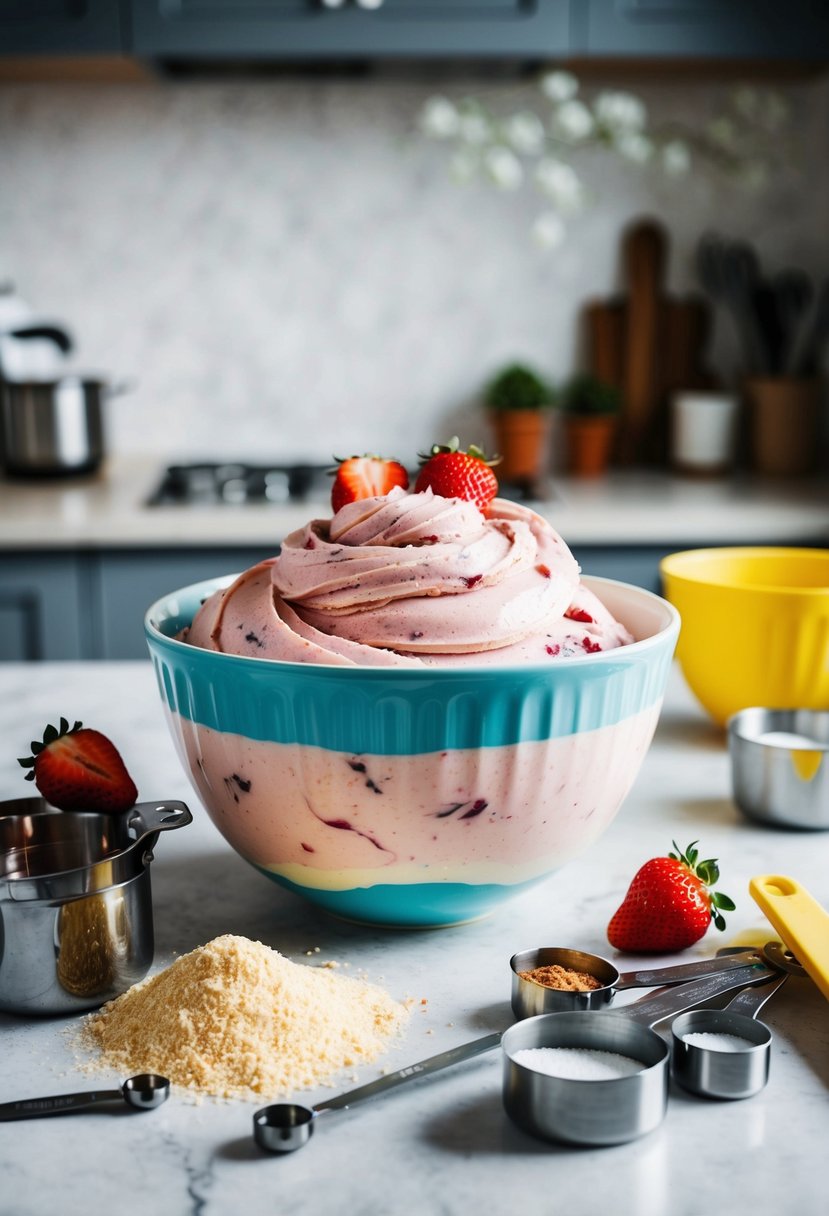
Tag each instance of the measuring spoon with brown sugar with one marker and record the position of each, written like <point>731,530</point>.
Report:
<point>531,996</point>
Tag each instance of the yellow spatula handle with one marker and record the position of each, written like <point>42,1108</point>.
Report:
<point>803,924</point>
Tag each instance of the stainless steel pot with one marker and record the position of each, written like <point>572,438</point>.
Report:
<point>53,428</point>
<point>76,919</point>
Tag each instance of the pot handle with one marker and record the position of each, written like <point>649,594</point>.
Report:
<point>53,333</point>
<point>149,818</point>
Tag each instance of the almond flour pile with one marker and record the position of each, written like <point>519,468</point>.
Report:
<point>234,1019</point>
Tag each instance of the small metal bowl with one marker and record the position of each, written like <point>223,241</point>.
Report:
<point>780,766</point>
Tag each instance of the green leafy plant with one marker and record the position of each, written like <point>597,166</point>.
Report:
<point>518,387</point>
<point>588,397</point>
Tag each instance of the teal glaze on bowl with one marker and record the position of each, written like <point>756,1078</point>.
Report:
<point>400,711</point>
<point>428,905</point>
<point>491,777</point>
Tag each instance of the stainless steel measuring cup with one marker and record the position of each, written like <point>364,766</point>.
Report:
<point>530,998</point>
<point>76,921</point>
<point>736,1071</point>
<point>147,1091</point>
<point>604,1112</point>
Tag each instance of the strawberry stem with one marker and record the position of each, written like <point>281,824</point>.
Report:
<point>708,872</point>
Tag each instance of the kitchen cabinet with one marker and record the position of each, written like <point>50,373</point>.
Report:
<point>91,605</point>
<point>43,607</point>
<point>341,29</point>
<point>55,27</point>
<point>422,29</point>
<point>688,29</point>
<point>628,564</point>
<point>126,583</point>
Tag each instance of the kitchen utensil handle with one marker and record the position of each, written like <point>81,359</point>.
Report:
<point>59,1104</point>
<point>53,333</point>
<point>683,972</point>
<point>803,924</point>
<point>813,334</point>
<point>158,816</point>
<point>664,1004</point>
<point>751,1000</point>
<point>445,1059</point>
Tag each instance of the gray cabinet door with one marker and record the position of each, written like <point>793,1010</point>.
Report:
<point>639,565</point>
<point>40,608</point>
<point>310,28</point>
<point>129,582</point>
<point>727,29</point>
<point>35,27</point>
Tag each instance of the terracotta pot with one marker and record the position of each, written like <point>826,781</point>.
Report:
<point>522,440</point>
<point>784,425</point>
<point>589,444</point>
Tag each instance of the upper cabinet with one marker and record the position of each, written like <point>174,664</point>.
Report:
<point>292,30</point>
<point>711,29</point>
<point>335,29</point>
<point>60,27</point>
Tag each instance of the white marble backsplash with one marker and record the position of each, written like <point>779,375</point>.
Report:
<point>285,268</point>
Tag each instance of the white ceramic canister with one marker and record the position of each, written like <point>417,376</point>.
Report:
<point>704,431</point>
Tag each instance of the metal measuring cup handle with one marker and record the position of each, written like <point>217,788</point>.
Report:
<point>750,1001</point>
<point>656,1008</point>
<point>682,973</point>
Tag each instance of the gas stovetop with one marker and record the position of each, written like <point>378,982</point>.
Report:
<point>209,483</point>
<point>212,484</point>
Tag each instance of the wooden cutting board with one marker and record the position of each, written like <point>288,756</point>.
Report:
<point>605,322</point>
<point>644,253</point>
<point>647,344</point>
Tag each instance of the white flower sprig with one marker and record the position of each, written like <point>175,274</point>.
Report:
<point>538,146</point>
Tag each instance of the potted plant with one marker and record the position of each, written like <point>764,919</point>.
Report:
<point>519,401</point>
<point>590,408</point>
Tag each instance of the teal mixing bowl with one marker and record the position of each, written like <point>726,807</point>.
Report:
<point>409,796</point>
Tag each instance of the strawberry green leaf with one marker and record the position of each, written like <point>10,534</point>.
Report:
<point>722,901</point>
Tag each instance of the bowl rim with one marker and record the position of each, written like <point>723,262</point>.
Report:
<point>655,640</point>
<point>682,567</point>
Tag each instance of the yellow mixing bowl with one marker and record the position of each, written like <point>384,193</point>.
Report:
<point>755,626</point>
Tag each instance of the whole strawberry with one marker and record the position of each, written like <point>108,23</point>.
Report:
<point>365,477</point>
<point>669,905</point>
<point>78,769</point>
<point>452,473</point>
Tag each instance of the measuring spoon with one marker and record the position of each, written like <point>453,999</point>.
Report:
<point>147,1091</point>
<point>530,998</point>
<point>286,1126</point>
<point>613,1111</point>
<point>734,1071</point>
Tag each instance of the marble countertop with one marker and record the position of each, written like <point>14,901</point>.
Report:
<point>444,1145</point>
<point>626,508</point>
